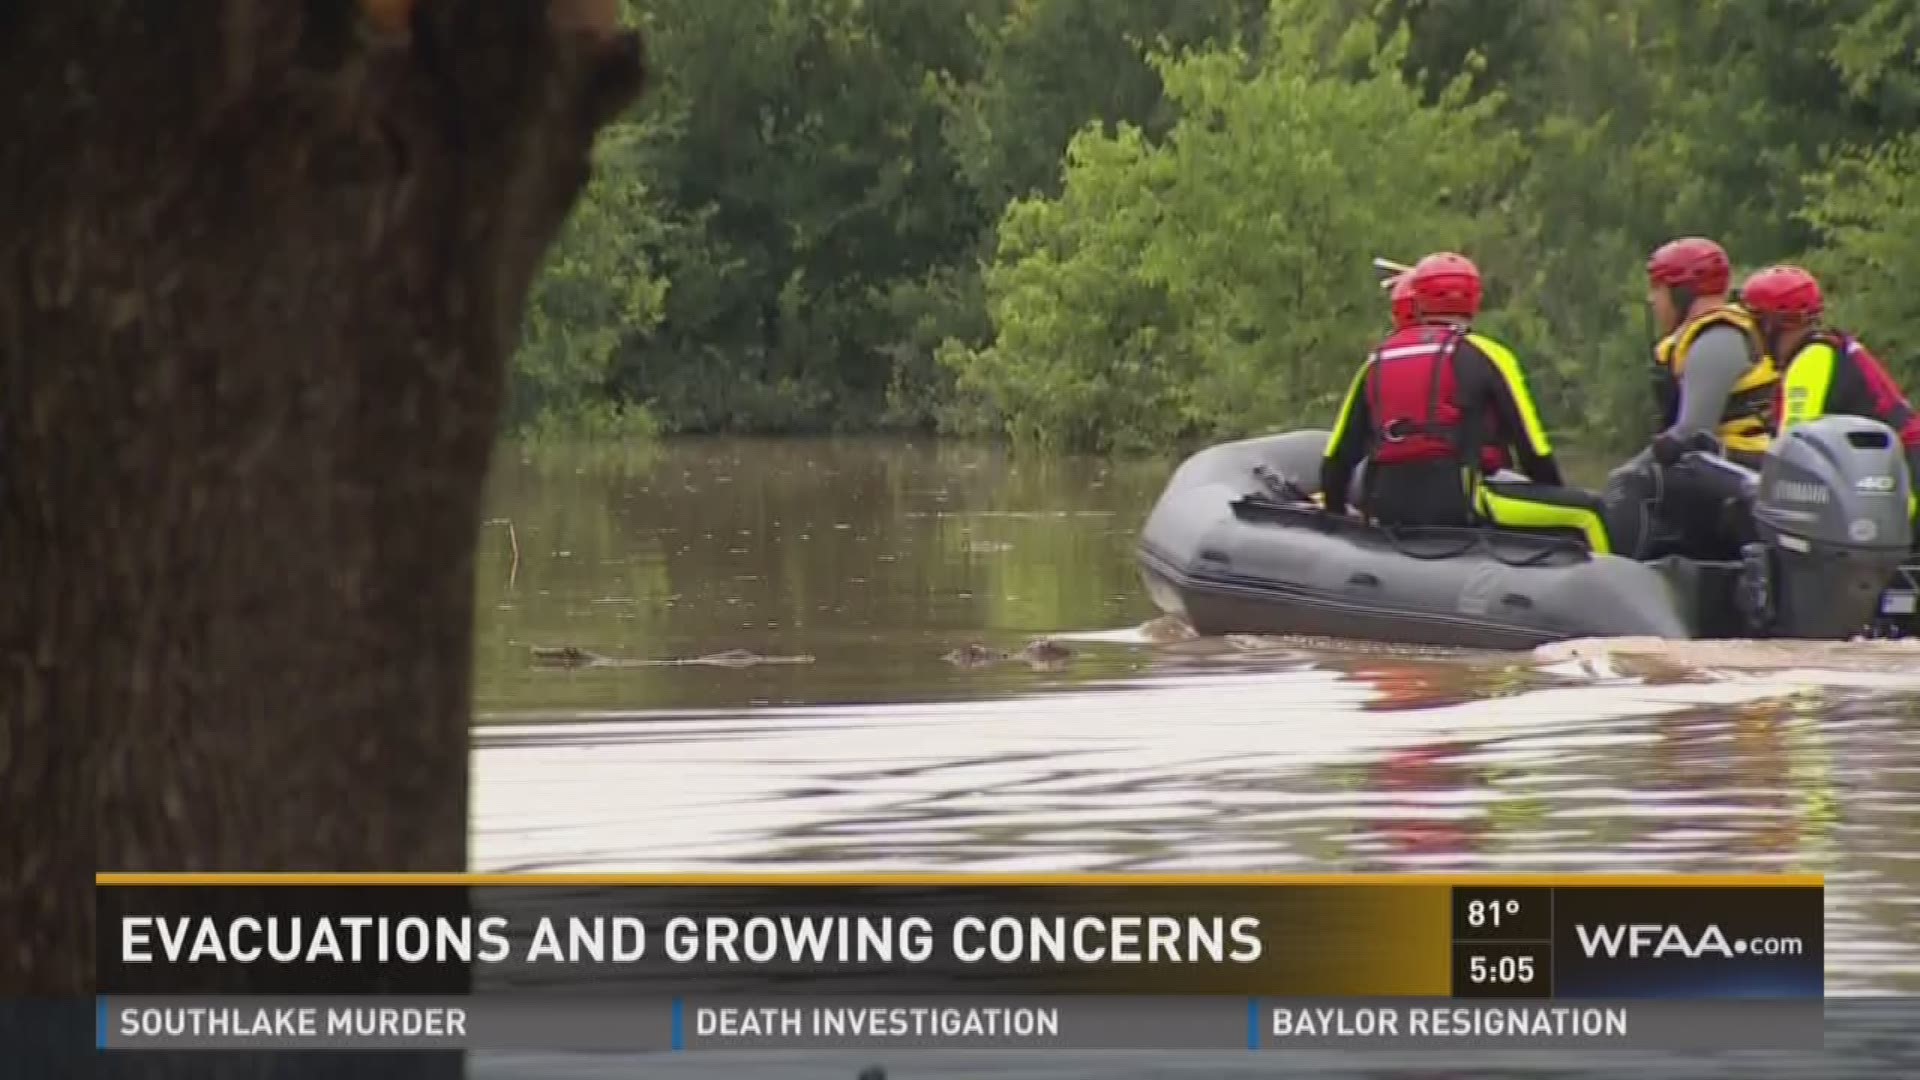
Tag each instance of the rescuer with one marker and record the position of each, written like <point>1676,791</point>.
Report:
<point>1438,408</point>
<point>1827,371</point>
<point>1714,385</point>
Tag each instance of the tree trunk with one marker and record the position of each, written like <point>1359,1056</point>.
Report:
<point>264,262</point>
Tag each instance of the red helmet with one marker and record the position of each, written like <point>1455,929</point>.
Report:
<point>1783,295</point>
<point>1403,313</point>
<point>1693,263</point>
<point>1444,284</point>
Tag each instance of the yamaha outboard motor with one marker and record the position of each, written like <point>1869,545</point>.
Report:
<point>1831,518</point>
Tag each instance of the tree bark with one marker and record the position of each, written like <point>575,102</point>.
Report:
<point>264,262</point>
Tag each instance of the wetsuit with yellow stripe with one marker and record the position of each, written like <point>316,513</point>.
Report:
<point>1480,391</point>
<point>1834,374</point>
<point>1733,396</point>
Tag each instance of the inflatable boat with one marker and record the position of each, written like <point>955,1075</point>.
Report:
<point>1236,544</point>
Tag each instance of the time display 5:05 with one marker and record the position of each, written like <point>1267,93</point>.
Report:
<point>1508,969</point>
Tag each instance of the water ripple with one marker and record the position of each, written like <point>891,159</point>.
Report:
<point>1229,770</point>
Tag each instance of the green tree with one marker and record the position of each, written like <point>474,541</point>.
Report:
<point>1866,208</point>
<point>1876,48</point>
<point>1642,121</point>
<point>842,214</point>
<point>806,138</point>
<point>1050,67</point>
<point>1864,203</point>
<point>596,304</point>
<point>1216,281</point>
<point>773,252</point>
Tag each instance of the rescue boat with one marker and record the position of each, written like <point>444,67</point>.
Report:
<point>1237,544</point>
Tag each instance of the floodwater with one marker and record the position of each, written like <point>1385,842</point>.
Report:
<point>876,558</point>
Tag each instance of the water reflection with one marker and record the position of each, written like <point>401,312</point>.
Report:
<point>876,557</point>
<point>1412,782</point>
<point>1260,771</point>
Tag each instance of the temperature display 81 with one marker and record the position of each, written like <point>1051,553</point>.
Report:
<point>1487,912</point>
<point>1491,914</point>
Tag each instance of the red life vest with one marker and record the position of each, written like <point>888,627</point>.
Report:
<point>1413,397</point>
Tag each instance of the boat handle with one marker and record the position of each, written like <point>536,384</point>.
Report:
<point>1361,577</point>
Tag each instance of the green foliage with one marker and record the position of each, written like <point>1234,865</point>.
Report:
<point>1125,223</point>
<point>1051,66</point>
<point>1630,128</point>
<point>598,299</point>
<point>1878,53</point>
<point>808,132</point>
<point>1867,209</point>
<point>1211,283</point>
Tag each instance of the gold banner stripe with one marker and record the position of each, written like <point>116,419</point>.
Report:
<point>963,880</point>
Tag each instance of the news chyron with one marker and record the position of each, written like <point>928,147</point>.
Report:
<point>677,964</point>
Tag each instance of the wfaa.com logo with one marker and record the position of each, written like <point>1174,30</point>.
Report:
<point>1656,940</point>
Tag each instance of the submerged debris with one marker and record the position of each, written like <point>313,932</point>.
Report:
<point>565,656</point>
<point>571,656</point>
<point>1041,654</point>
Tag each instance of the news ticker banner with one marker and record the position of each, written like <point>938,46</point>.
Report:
<point>767,962</point>
<point>737,1023</point>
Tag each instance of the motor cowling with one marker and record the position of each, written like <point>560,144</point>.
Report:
<point>1831,510</point>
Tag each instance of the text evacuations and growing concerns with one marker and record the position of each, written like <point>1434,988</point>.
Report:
<point>1027,939</point>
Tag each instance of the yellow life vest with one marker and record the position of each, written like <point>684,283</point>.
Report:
<point>1746,424</point>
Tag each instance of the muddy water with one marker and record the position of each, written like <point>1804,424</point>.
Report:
<point>876,558</point>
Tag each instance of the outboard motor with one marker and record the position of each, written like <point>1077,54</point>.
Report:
<point>1831,516</point>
